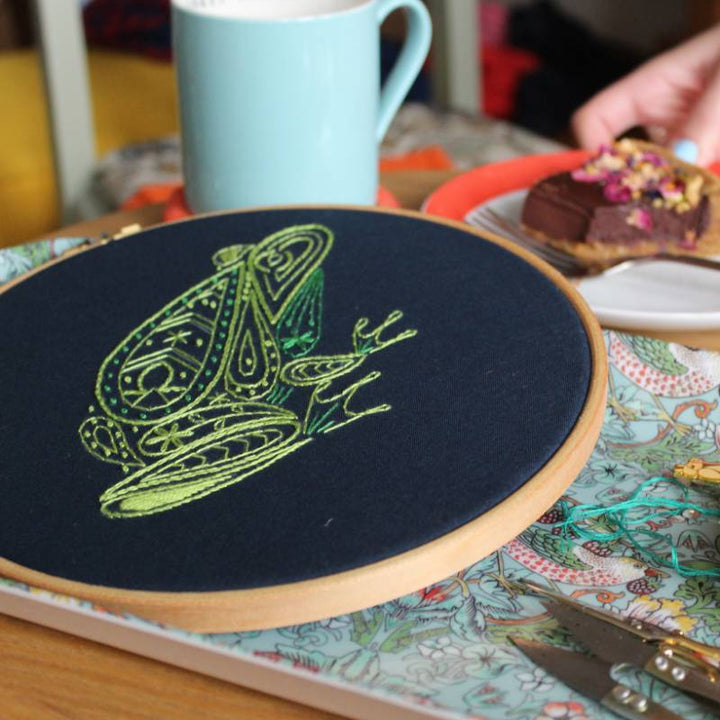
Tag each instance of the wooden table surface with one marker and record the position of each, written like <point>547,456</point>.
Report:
<point>48,675</point>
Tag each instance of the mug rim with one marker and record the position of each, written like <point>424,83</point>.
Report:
<point>185,6</point>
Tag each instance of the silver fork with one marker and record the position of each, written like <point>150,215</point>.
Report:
<point>486,219</point>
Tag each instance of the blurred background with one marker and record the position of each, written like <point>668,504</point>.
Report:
<point>94,128</point>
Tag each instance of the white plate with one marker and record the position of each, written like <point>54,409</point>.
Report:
<point>654,296</point>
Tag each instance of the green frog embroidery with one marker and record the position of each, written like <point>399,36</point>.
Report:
<point>193,400</point>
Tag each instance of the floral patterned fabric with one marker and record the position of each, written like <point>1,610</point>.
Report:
<point>15,261</point>
<point>447,647</point>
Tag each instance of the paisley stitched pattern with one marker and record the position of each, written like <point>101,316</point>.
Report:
<point>192,400</point>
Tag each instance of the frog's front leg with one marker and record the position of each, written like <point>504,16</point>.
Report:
<point>329,409</point>
<point>306,371</point>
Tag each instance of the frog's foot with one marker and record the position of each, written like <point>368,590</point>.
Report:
<point>366,342</point>
<point>329,412</point>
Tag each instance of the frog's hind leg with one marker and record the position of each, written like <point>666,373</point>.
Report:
<point>366,342</point>
<point>328,412</point>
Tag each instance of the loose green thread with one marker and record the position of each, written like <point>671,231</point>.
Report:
<point>204,380</point>
<point>628,517</point>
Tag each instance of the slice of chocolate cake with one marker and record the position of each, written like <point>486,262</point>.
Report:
<point>631,198</point>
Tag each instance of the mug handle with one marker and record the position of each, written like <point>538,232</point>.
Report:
<point>412,57</point>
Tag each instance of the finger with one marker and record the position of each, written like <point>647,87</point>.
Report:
<point>655,93</point>
<point>658,134</point>
<point>702,124</point>
<point>607,114</point>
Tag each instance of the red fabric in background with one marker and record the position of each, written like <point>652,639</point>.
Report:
<point>141,26</point>
<point>493,17</point>
<point>503,67</point>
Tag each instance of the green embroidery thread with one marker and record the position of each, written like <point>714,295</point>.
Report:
<point>193,400</point>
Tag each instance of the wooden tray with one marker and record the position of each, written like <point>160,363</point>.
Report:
<point>429,392</point>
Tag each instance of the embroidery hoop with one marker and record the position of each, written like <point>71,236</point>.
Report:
<point>340,593</point>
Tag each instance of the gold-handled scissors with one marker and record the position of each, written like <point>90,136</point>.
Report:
<point>699,473</point>
<point>590,676</point>
<point>670,656</point>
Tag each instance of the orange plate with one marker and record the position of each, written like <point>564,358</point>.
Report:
<point>458,196</point>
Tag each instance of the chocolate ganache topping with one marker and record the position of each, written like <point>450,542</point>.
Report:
<point>622,195</point>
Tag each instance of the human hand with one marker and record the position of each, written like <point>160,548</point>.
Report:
<point>676,96</point>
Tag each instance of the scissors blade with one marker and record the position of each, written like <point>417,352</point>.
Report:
<point>640,628</point>
<point>699,653</point>
<point>606,640</point>
<point>587,675</point>
<point>616,644</point>
<point>591,677</point>
<point>644,630</point>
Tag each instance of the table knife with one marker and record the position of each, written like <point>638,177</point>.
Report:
<point>617,644</point>
<point>590,677</point>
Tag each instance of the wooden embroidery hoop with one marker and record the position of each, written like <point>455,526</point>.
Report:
<point>362,587</point>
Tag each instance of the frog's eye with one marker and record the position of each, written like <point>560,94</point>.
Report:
<point>230,255</point>
<point>282,262</point>
<point>274,258</point>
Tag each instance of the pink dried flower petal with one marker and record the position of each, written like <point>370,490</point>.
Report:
<point>670,189</point>
<point>653,159</point>
<point>615,192</point>
<point>689,242</point>
<point>641,219</point>
<point>586,175</point>
<point>671,193</point>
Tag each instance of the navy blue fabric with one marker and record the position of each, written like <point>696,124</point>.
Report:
<point>481,398</point>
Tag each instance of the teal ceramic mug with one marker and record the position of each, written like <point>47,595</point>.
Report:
<point>280,100</point>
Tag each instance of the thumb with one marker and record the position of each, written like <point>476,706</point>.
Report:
<point>702,123</point>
